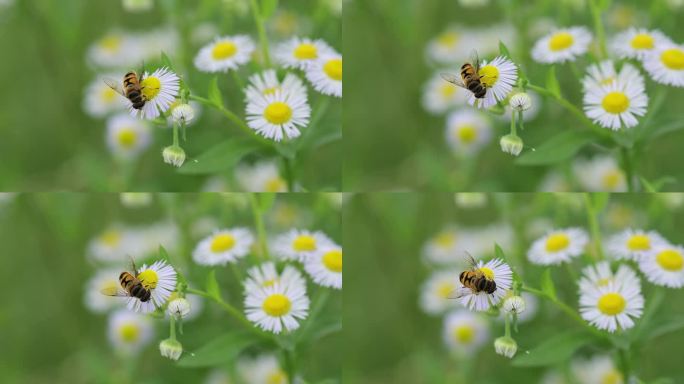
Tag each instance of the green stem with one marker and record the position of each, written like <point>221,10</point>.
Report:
<point>598,27</point>
<point>289,174</point>
<point>593,227</point>
<point>290,368</point>
<point>513,126</point>
<point>175,135</point>
<point>319,300</point>
<point>263,40</point>
<point>627,168</point>
<point>259,224</point>
<point>625,363</point>
<point>507,320</point>
<point>172,330</point>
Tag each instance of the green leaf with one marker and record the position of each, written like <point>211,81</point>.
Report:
<point>665,128</point>
<point>552,82</point>
<point>212,285</point>
<point>547,284</point>
<point>503,49</point>
<point>266,201</point>
<point>554,350</point>
<point>664,327</point>
<point>559,148</point>
<point>220,158</point>
<point>268,8</point>
<point>498,252</point>
<point>162,253</point>
<point>166,61</point>
<point>599,200</point>
<point>657,185</point>
<point>214,94</point>
<point>221,350</point>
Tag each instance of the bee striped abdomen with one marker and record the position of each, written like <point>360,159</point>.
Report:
<point>134,287</point>
<point>132,90</point>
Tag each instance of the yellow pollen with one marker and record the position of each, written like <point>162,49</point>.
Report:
<point>306,51</point>
<point>611,304</point>
<point>673,58</point>
<point>222,242</point>
<point>612,377</point>
<point>615,102</point>
<point>489,274</point>
<point>108,95</point>
<point>150,87</point>
<point>557,242</point>
<point>445,289</point>
<point>278,113</point>
<point>277,377</point>
<point>111,43</point>
<point>464,334</point>
<point>670,260</point>
<point>467,133</point>
<point>277,305</point>
<point>489,74</point>
<point>148,278</point>
<point>223,50</point>
<point>129,332</point>
<point>445,239</point>
<point>560,41</point>
<point>333,68</point>
<point>446,90</point>
<point>333,260</point>
<point>127,138</point>
<point>642,41</point>
<point>111,238</point>
<point>275,184</point>
<point>448,39</point>
<point>639,243</point>
<point>612,179</point>
<point>304,243</point>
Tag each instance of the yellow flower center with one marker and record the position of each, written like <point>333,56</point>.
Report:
<point>277,305</point>
<point>612,377</point>
<point>111,43</point>
<point>304,243</point>
<point>277,377</point>
<point>111,238</point>
<point>222,242</point>
<point>150,87</point>
<point>639,243</point>
<point>466,133</point>
<point>446,90</point>
<point>464,334</point>
<point>306,51</point>
<point>223,50</point>
<point>278,113</point>
<point>642,41</point>
<point>333,260</point>
<point>670,260</point>
<point>333,68</point>
<point>612,179</point>
<point>445,239</point>
<point>445,289</point>
<point>615,102</point>
<point>560,41</point>
<point>489,74</point>
<point>489,274</point>
<point>108,95</point>
<point>275,184</point>
<point>673,58</point>
<point>127,138</point>
<point>148,278</point>
<point>611,304</point>
<point>129,332</point>
<point>448,39</point>
<point>557,242</point>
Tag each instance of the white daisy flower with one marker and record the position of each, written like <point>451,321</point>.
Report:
<point>300,245</point>
<point>100,99</point>
<point>501,274</point>
<point>636,43</point>
<point>113,244</point>
<point>666,65</point>
<point>440,96</point>
<point>263,176</point>
<point>127,136</point>
<point>115,49</point>
<point>450,46</point>
<point>160,280</point>
<point>266,275</point>
<point>564,44</point>
<point>325,267</point>
<point>129,332</point>
<point>616,105</point>
<point>664,266</point>
<point>267,83</point>
<point>467,132</point>
<point>301,52</point>
<point>600,174</point>
<point>554,181</point>
<point>633,244</point>
<point>612,306</point>
<point>325,75</point>
<point>600,275</point>
<point>159,90</point>
<point>223,246</point>
<point>604,74</point>
<point>262,369</point>
<point>279,114</point>
<point>93,299</point>
<point>498,76</point>
<point>225,53</point>
<point>450,245</point>
<point>465,332</point>
<point>277,307</point>
<point>558,246</point>
<point>597,370</point>
<point>217,376</point>
<point>437,292</point>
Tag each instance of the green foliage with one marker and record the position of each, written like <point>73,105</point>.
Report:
<point>221,157</point>
<point>554,350</point>
<point>557,149</point>
<point>219,350</point>
<point>547,285</point>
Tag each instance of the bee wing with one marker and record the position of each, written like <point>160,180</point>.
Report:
<point>460,292</point>
<point>470,260</point>
<point>114,291</point>
<point>115,85</point>
<point>475,60</point>
<point>453,79</point>
<point>132,266</point>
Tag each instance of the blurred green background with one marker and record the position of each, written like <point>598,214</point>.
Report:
<point>390,340</point>
<point>50,337</point>
<point>49,143</point>
<point>397,145</point>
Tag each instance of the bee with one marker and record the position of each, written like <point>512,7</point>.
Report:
<point>473,280</point>
<point>132,90</point>
<point>469,78</point>
<point>131,286</point>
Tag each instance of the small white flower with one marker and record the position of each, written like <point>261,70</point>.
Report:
<point>179,308</point>
<point>223,246</point>
<point>600,174</point>
<point>633,244</point>
<point>278,114</point>
<point>437,293</point>
<point>501,274</point>
<point>464,332</point>
<point>498,76</point>
<point>183,114</point>
<point>564,44</point>
<point>159,90</point>
<point>325,267</point>
<point>262,369</point>
<point>301,52</point>
<point>521,101</point>
<point>278,306</point>
<point>129,332</point>
<point>597,370</point>
<point>267,83</point>
<point>514,305</point>
<point>664,266</point>
<point>467,131</point>
<point>173,155</point>
<point>558,246</point>
<point>530,114</point>
<point>189,308</point>
<point>440,96</point>
<point>171,349</point>
<point>113,244</point>
<point>160,280</point>
<point>263,176</point>
<point>666,65</point>
<point>300,245</point>
<point>325,74</point>
<point>225,53</point>
<point>604,74</point>
<point>511,144</point>
<point>93,299</point>
<point>135,199</point>
<point>636,43</point>
<point>127,137</point>
<point>100,99</point>
<point>115,50</point>
<point>266,275</point>
<point>450,46</point>
<point>601,274</point>
<point>616,105</point>
<point>526,311</point>
<point>505,346</point>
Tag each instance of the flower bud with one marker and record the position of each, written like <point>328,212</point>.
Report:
<point>505,346</point>
<point>179,308</point>
<point>520,102</point>
<point>514,305</point>
<point>174,155</point>
<point>511,144</point>
<point>183,114</point>
<point>171,348</point>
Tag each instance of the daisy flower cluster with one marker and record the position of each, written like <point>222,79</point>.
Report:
<point>600,173</point>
